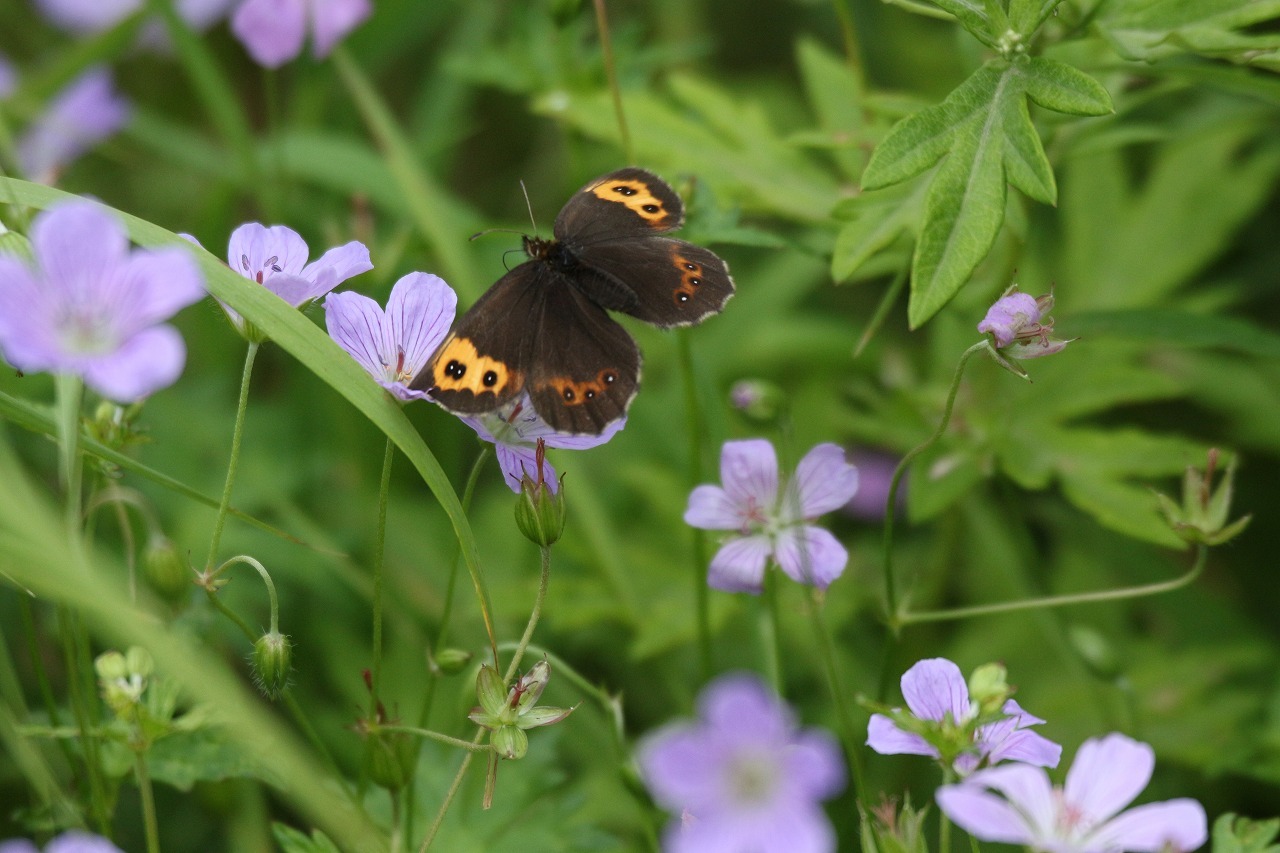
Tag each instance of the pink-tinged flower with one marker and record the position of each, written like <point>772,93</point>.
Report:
<point>91,16</point>
<point>1016,804</point>
<point>743,778</point>
<point>92,307</point>
<point>937,695</point>
<point>72,841</point>
<point>875,474</point>
<point>769,521</point>
<point>395,345</point>
<point>1020,327</point>
<point>273,30</point>
<point>514,431</point>
<point>276,258</point>
<point>83,114</point>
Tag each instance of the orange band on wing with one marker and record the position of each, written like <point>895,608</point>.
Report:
<point>460,367</point>
<point>690,278</point>
<point>576,393</point>
<point>636,196</point>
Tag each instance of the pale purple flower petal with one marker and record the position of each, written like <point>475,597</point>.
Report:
<point>749,474</point>
<point>517,462</point>
<point>259,253</point>
<point>8,78</point>
<point>336,266</point>
<point>810,555</point>
<point>1107,774</point>
<point>711,508</point>
<point>420,310</point>
<point>1009,315</point>
<point>79,841</point>
<point>739,564</point>
<point>983,814</point>
<point>331,20</point>
<point>1178,824</point>
<point>875,473</point>
<point>824,481</point>
<point>1026,787</point>
<point>87,16</point>
<point>271,30</point>
<point>74,242</point>
<point>884,736</point>
<point>18,845</point>
<point>1010,740</point>
<point>742,777</point>
<point>146,362</point>
<point>83,114</point>
<point>935,687</point>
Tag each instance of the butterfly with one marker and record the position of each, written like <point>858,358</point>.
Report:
<point>544,328</point>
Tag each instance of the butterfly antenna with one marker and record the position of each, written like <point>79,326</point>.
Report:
<point>529,205</point>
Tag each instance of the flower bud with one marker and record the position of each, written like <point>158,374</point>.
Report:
<point>165,569</point>
<point>540,509</point>
<point>510,743</point>
<point>988,688</point>
<point>123,679</point>
<point>759,401</point>
<point>451,661</point>
<point>391,759</point>
<point>1202,518</point>
<point>271,658</point>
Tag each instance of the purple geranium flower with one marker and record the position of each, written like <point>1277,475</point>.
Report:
<point>91,307</point>
<point>8,78</point>
<point>92,16</point>
<point>770,521</point>
<point>393,346</point>
<point>1016,804</point>
<point>276,258</point>
<point>742,776</point>
<point>71,841</point>
<point>273,30</point>
<point>936,692</point>
<point>875,475</point>
<point>82,115</point>
<point>1020,325</point>
<point>514,431</point>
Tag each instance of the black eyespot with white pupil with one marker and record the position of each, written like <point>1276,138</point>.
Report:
<point>625,190</point>
<point>490,378</point>
<point>651,208</point>
<point>590,395</point>
<point>568,394</point>
<point>690,267</point>
<point>610,378</point>
<point>455,369</point>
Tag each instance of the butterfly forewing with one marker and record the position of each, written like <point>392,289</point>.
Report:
<point>627,203</point>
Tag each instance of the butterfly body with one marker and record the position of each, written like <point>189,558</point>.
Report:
<point>544,327</point>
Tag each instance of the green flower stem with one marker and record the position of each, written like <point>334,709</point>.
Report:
<point>384,491</point>
<point>839,694</point>
<point>470,745</point>
<point>70,393</point>
<point>944,832</point>
<point>695,430</point>
<point>452,792</point>
<point>148,802</point>
<point>442,635</point>
<point>890,592</point>
<point>611,71</point>
<point>768,624</point>
<point>848,34</point>
<point>98,808</point>
<point>1202,553</point>
<point>208,583</point>
<point>121,499</point>
<point>234,461</point>
<point>544,580</point>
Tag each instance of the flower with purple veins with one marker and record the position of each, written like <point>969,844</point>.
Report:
<point>276,258</point>
<point>71,841</point>
<point>92,307</point>
<point>1016,804</point>
<point>1020,327</point>
<point>273,30</point>
<point>83,114</point>
<point>514,431</point>
<point>772,522</point>
<point>394,345</point>
<point>743,778</point>
<point>936,693</point>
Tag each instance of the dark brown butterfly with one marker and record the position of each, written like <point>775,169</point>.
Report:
<point>543,328</point>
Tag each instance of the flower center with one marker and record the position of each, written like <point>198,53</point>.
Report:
<point>751,778</point>
<point>1070,820</point>
<point>85,332</point>
<point>270,265</point>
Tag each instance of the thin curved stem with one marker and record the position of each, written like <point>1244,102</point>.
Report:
<point>384,490</point>
<point>544,581</point>
<point>769,639</point>
<point>839,693</point>
<point>148,798</point>
<point>890,591</point>
<point>1202,553</point>
<point>469,745</point>
<point>233,462</point>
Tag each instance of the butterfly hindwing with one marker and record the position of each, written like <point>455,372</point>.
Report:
<point>674,283</point>
<point>584,367</point>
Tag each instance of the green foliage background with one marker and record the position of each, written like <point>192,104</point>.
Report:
<point>1154,223</point>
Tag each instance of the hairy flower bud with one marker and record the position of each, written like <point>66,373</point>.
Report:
<point>271,663</point>
<point>165,569</point>
<point>451,661</point>
<point>540,511</point>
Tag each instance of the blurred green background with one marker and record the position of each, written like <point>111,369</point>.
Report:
<point>1161,252</point>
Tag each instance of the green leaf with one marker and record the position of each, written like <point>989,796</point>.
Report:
<point>293,841</point>
<point>963,215</point>
<point>1180,329</point>
<point>971,15</point>
<point>1060,87</point>
<point>875,221</point>
<point>1226,29</point>
<point>1026,165</point>
<point>204,755</point>
<point>1235,834</point>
